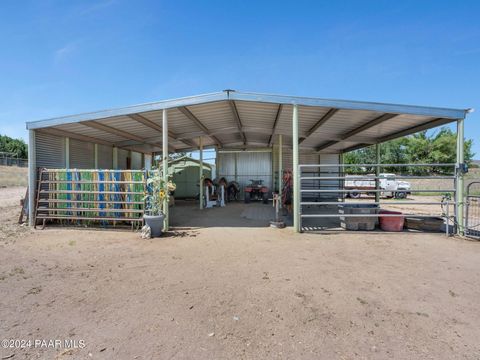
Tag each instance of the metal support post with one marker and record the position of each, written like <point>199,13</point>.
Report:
<point>165,167</point>
<point>115,158</point>
<point>96,155</point>
<point>296,175</point>
<point>341,173</point>
<point>32,173</point>
<point>67,152</point>
<point>280,169</point>
<point>377,172</point>
<point>200,148</point>
<point>459,175</point>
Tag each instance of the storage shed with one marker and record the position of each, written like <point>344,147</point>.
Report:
<point>184,172</point>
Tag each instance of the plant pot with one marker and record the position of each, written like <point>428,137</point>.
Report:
<point>156,224</point>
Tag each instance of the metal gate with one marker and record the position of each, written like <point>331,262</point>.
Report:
<point>324,207</point>
<point>472,214</point>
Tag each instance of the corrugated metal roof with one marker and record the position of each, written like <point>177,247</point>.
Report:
<point>324,125</point>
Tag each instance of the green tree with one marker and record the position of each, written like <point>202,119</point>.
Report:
<point>438,147</point>
<point>16,147</point>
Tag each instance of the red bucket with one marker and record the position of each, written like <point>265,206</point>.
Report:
<point>391,223</point>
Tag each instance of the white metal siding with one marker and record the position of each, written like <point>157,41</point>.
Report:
<point>148,161</point>
<point>287,157</point>
<point>105,157</point>
<point>250,166</point>
<point>226,165</point>
<point>82,154</point>
<point>50,150</point>
<point>136,160</point>
<point>122,159</point>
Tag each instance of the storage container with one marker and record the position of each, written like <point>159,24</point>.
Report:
<point>391,223</point>
<point>358,222</point>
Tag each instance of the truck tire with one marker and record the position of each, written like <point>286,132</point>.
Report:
<point>247,198</point>
<point>401,195</point>
<point>265,198</point>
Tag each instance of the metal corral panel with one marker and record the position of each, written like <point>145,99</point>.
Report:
<point>50,150</point>
<point>82,155</point>
<point>122,159</point>
<point>136,161</point>
<point>330,171</point>
<point>250,166</point>
<point>105,157</point>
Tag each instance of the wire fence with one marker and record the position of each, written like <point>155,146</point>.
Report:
<point>13,161</point>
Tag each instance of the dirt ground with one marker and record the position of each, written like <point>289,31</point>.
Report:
<point>226,291</point>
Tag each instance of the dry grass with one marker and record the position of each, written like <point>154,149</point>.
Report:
<point>13,176</point>
<point>444,184</point>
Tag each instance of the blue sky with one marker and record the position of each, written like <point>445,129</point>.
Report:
<point>65,57</point>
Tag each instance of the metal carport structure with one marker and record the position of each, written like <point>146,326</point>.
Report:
<point>241,120</point>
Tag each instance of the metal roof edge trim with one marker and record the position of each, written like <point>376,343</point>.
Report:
<point>133,109</point>
<point>352,105</point>
<point>253,97</point>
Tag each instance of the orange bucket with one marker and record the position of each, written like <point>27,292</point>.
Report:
<point>391,223</point>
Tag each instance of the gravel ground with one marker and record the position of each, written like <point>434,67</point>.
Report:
<point>230,292</point>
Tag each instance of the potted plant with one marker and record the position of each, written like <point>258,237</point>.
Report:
<point>155,199</point>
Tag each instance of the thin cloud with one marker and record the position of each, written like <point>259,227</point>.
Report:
<point>96,7</point>
<point>65,52</point>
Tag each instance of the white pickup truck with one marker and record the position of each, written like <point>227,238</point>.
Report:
<point>358,184</point>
